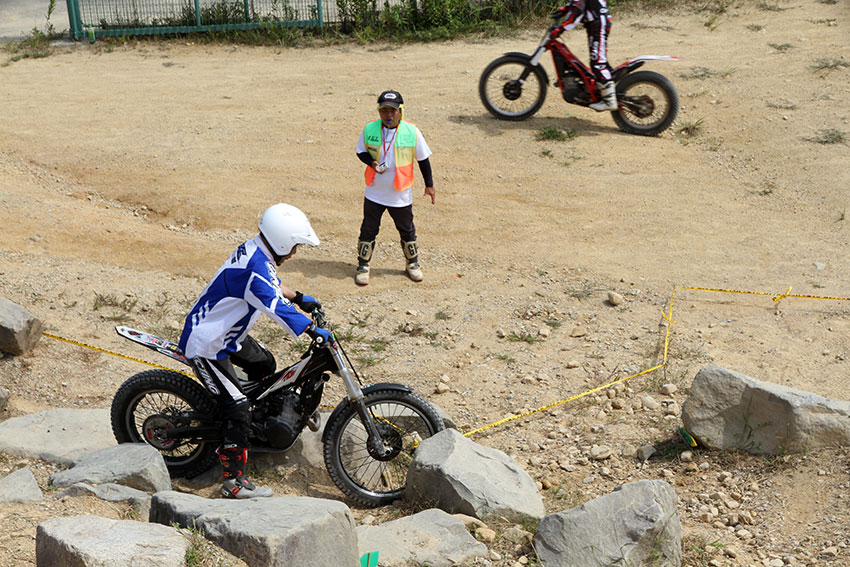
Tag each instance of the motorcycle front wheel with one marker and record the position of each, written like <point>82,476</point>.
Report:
<point>404,419</point>
<point>150,403</point>
<point>648,103</point>
<point>511,88</point>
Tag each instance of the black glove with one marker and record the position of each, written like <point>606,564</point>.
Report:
<point>307,303</point>
<point>559,12</point>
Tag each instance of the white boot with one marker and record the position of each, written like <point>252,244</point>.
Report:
<point>607,98</point>
<point>364,254</point>
<point>361,277</point>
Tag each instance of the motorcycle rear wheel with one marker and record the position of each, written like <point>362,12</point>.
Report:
<point>504,95</point>
<point>648,103</point>
<point>150,402</point>
<point>404,419</point>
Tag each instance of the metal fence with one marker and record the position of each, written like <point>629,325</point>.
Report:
<point>100,18</point>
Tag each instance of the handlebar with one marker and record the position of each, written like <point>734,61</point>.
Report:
<point>319,322</point>
<point>319,317</point>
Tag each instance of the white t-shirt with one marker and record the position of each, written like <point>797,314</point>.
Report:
<point>381,190</point>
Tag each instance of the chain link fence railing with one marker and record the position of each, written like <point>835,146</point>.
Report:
<point>99,18</point>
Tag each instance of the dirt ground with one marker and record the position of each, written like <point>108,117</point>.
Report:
<point>129,172</point>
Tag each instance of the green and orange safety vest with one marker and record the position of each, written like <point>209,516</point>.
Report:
<point>404,148</point>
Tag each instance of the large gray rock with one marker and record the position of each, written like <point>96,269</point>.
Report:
<point>267,532</point>
<point>58,436</point>
<point>459,475</point>
<point>727,410</point>
<point>20,486</point>
<point>112,493</point>
<point>19,329</point>
<point>92,541</point>
<point>4,398</point>
<point>137,465</point>
<point>636,524</point>
<point>432,537</point>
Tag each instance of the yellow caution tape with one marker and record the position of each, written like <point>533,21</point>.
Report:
<point>550,406</point>
<point>777,297</point>
<point>666,316</point>
<point>98,349</point>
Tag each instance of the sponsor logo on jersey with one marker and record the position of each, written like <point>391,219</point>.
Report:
<point>238,253</point>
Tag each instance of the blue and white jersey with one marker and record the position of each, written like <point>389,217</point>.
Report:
<point>246,285</point>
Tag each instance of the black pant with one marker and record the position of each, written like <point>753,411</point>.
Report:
<point>402,217</point>
<point>597,42</point>
<point>219,378</point>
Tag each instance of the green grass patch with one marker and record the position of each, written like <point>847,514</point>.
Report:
<point>37,44</point>
<point>828,136</point>
<point>770,7</point>
<point>698,73</point>
<point>781,47</point>
<point>829,64</point>
<point>697,551</point>
<point>506,358</point>
<point>552,133</point>
<point>691,129</point>
<point>525,338</point>
<point>125,305</point>
<point>581,293</point>
<point>782,105</point>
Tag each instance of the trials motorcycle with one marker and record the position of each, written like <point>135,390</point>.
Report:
<point>513,87</point>
<point>369,438</point>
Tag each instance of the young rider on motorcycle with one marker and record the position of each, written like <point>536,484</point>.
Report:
<point>597,24</point>
<point>215,335</point>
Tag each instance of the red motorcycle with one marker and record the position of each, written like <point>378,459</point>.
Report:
<point>513,87</point>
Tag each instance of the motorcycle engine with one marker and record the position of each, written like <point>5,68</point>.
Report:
<point>574,90</point>
<point>282,418</point>
<point>282,428</point>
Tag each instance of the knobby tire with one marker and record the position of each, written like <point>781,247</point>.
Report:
<point>405,419</point>
<point>499,85</point>
<point>666,106</point>
<point>164,393</point>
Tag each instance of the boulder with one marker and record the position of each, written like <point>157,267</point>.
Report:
<point>19,329</point>
<point>267,532</point>
<point>94,541</point>
<point>111,493</point>
<point>727,410</point>
<point>137,465</point>
<point>432,537</point>
<point>458,475</point>
<point>636,524</point>
<point>59,436</point>
<point>4,399</point>
<point>20,486</point>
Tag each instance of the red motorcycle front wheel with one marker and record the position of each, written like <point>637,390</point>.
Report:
<point>512,89</point>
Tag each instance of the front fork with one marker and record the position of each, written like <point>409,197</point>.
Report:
<point>375,443</point>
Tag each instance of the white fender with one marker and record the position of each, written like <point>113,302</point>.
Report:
<point>652,58</point>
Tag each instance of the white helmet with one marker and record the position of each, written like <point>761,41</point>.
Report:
<point>284,226</point>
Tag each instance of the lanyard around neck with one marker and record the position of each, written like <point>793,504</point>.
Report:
<point>389,144</point>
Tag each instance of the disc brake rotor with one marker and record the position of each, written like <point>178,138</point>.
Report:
<point>512,90</point>
<point>642,106</point>
<point>392,442</point>
<point>154,429</point>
